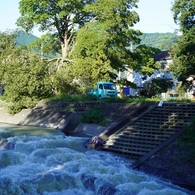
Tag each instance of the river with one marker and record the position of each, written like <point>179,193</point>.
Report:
<point>44,161</point>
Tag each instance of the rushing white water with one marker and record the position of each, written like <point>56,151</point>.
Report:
<point>43,161</point>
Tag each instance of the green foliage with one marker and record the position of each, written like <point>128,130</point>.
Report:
<point>25,76</point>
<point>184,56</point>
<point>86,98</point>
<point>145,60</point>
<point>161,41</point>
<point>89,71</point>
<point>116,17</point>
<point>183,53</point>
<point>98,47</point>
<point>6,46</point>
<point>184,14</point>
<point>64,17</point>
<point>189,134</point>
<point>63,81</point>
<point>24,102</point>
<point>156,87</point>
<point>94,115</point>
<point>47,46</point>
<point>24,39</point>
<point>102,45</point>
<point>7,42</point>
<point>96,52</point>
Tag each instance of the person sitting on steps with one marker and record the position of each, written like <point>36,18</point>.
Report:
<point>96,142</point>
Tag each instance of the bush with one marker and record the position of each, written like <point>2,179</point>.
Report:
<point>24,102</point>
<point>156,87</point>
<point>189,135</point>
<point>94,115</point>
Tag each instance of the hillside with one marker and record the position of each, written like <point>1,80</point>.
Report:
<point>162,41</point>
<point>24,39</point>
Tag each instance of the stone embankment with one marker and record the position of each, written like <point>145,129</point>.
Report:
<point>56,115</point>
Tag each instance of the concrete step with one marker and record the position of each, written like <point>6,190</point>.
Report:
<point>151,131</point>
<point>132,144</point>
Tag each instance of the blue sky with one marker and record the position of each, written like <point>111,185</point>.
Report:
<point>155,16</point>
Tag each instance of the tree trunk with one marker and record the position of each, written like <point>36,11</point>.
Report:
<point>64,50</point>
<point>64,47</point>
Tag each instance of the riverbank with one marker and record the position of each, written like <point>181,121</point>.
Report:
<point>56,114</point>
<point>174,163</point>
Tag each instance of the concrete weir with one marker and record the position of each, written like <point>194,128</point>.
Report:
<point>137,134</point>
<point>150,131</point>
<point>137,131</point>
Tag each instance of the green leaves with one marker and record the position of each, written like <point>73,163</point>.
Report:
<point>25,75</point>
<point>189,135</point>
<point>184,56</point>
<point>145,58</point>
<point>61,17</point>
<point>102,45</point>
<point>94,115</point>
<point>184,51</point>
<point>184,13</point>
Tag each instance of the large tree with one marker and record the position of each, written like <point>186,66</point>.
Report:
<point>184,51</point>
<point>61,17</point>
<point>95,35</point>
<point>103,44</point>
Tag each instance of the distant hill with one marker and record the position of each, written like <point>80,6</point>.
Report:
<point>162,41</point>
<point>25,38</point>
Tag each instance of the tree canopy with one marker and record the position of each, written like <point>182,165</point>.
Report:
<point>103,44</point>
<point>94,35</point>
<point>184,51</point>
<point>61,17</point>
<point>25,76</point>
<point>95,38</point>
<point>162,41</point>
<point>184,11</point>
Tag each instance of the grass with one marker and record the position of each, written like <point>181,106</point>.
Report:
<point>94,115</point>
<point>87,98</point>
<point>189,134</point>
<point>71,98</point>
<point>187,141</point>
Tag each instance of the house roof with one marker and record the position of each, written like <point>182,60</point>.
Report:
<point>163,55</point>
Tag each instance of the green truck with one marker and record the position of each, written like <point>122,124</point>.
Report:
<point>104,90</point>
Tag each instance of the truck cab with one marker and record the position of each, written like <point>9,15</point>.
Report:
<point>104,90</point>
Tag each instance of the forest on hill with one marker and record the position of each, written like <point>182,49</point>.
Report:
<point>24,39</point>
<point>162,41</point>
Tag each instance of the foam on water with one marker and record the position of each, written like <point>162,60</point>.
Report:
<point>51,164</point>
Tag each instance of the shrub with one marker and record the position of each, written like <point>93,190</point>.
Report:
<point>94,115</point>
<point>189,135</point>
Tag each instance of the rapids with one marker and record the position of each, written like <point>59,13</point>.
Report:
<point>44,161</point>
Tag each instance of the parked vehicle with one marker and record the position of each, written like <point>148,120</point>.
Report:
<point>104,90</point>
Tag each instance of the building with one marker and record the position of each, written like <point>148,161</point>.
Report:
<point>164,59</point>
